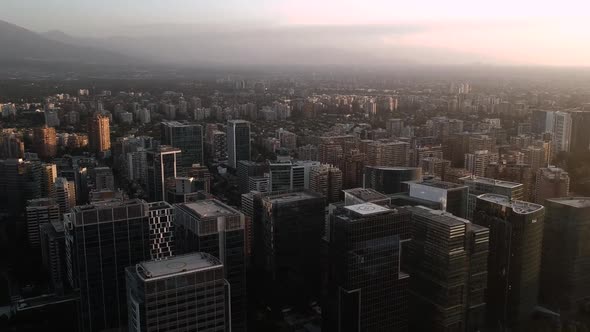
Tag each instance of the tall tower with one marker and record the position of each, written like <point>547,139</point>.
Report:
<point>186,137</point>
<point>161,165</point>
<point>551,182</point>
<point>364,287</point>
<point>238,141</point>
<point>326,180</point>
<point>102,240</point>
<point>516,240</point>
<point>99,134</point>
<point>180,293</point>
<point>479,186</point>
<point>45,142</point>
<point>452,298</point>
<point>65,195</point>
<point>562,132</point>
<point>40,211</point>
<point>215,228</point>
<point>564,276</point>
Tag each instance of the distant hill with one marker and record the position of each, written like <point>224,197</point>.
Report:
<point>22,45</point>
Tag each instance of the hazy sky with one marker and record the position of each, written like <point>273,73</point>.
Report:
<point>501,31</point>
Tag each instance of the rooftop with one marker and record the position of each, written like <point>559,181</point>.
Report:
<point>577,202</point>
<point>493,182</point>
<point>520,207</point>
<point>292,196</point>
<point>439,216</point>
<point>366,194</point>
<point>210,208</point>
<point>391,168</point>
<point>366,209</point>
<point>159,205</point>
<point>177,264</point>
<point>437,184</point>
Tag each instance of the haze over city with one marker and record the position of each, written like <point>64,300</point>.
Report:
<point>383,33</point>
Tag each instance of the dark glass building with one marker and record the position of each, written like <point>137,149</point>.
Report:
<point>287,236</point>
<point>238,141</point>
<point>212,227</point>
<point>580,138</point>
<point>364,288</point>
<point>565,272</point>
<point>103,239</point>
<point>516,239</point>
<point>391,180</point>
<point>186,137</point>
<point>247,169</point>
<point>447,260</point>
<point>180,293</point>
<point>452,197</point>
<point>161,165</point>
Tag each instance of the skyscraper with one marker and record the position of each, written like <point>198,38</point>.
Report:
<point>99,134</point>
<point>326,180</point>
<point>45,142</point>
<point>477,162</point>
<point>364,288</point>
<point>102,239</point>
<point>39,212</point>
<point>452,197</point>
<point>551,182</point>
<point>65,195</point>
<point>161,165</point>
<point>352,169</point>
<point>53,254</point>
<point>390,154</point>
<point>564,273</point>
<point>479,186</point>
<point>390,180</point>
<point>562,132</point>
<point>238,141</point>
<point>215,228</point>
<point>516,239</point>
<point>287,234</point>
<point>161,220</point>
<point>247,169</point>
<point>181,293</point>
<point>448,264</point>
<point>580,138</point>
<point>186,137</point>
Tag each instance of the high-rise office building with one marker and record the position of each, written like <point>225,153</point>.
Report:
<point>102,239</point>
<point>287,175</point>
<point>48,175</point>
<point>364,287</point>
<point>452,197</point>
<point>580,138</point>
<point>447,260</point>
<point>65,195</point>
<point>538,121</point>
<point>477,162</point>
<point>564,273</point>
<point>238,141</point>
<point>435,166</point>
<point>218,145</point>
<point>551,182</point>
<point>161,165</point>
<point>390,180</point>
<point>330,153</point>
<point>161,220</point>
<point>219,230</point>
<point>99,134</point>
<point>326,180</point>
<point>186,137</point>
<point>39,212</point>
<point>394,127</point>
<point>180,293</point>
<point>352,169</point>
<point>480,185</point>
<point>562,132</point>
<point>516,239</point>
<point>45,142</point>
<point>289,270</point>
<point>53,254</point>
<point>247,169</point>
